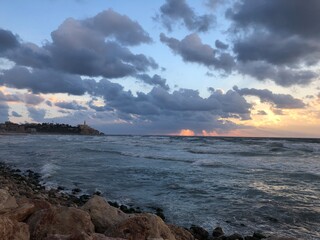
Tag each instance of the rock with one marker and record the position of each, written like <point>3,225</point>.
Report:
<point>217,232</point>
<point>98,236</point>
<point>180,233</point>
<point>60,220</point>
<point>258,235</point>
<point>199,232</point>
<point>102,214</point>
<point>41,204</point>
<point>13,230</point>
<point>22,212</point>
<point>280,238</point>
<point>7,202</point>
<point>234,236</point>
<point>141,226</point>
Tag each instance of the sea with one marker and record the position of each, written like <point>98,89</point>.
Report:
<point>243,185</point>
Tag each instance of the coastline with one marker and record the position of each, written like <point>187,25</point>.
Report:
<point>29,211</point>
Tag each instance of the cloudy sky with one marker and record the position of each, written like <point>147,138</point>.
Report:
<point>184,67</point>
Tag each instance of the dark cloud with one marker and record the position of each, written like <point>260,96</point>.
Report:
<point>95,46</point>
<point>121,27</point>
<point>49,103</point>
<point>70,105</point>
<point>221,45</point>
<point>282,76</point>
<point>282,34</point>
<point>15,114</point>
<point>43,81</point>
<point>156,80</point>
<point>32,99</point>
<point>36,114</point>
<point>7,40</point>
<point>262,112</point>
<point>160,102</point>
<point>174,11</point>
<point>266,96</point>
<point>191,49</point>
<point>277,111</point>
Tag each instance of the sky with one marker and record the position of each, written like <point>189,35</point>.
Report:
<point>163,67</point>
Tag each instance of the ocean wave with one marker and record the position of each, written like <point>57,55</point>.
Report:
<point>48,169</point>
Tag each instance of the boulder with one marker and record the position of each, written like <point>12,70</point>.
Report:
<point>199,232</point>
<point>7,202</point>
<point>13,230</point>
<point>280,238</point>
<point>217,232</point>
<point>21,213</point>
<point>141,226</point>
<point>102,214</point>
<point>59,221</point>
<point>180,233</point>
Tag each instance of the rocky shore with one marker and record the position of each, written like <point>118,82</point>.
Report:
<point>29,211</point>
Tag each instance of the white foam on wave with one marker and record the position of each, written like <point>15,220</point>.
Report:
<point>48,170</point>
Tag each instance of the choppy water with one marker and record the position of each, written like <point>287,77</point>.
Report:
<point>241,184</point>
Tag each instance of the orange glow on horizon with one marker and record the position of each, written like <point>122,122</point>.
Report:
<point>186,132</point>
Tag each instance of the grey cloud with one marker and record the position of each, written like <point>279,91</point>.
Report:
<point>278,111</point>
<point>155,80</point>
<point>262,112</point>
<point>49,103</point>
<point>32,99</point>
<point>278,100</point>
<point>121,27</point>
<point>70,105</point>
<point>93,47</point>
<point>7,40</point>
<point>36,114</point>
<point>284,34</point>
<point>289,17</point>
<point>15,114</point>
<point>43,81</point>
<point>213,4</point>
<point>282,76</point>
<point>159,102</point>
<point>191,49</point>
<point>27,98</point>
<point>179,11</point>
<point>221,45</point>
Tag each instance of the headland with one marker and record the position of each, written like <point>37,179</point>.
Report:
<point>47,128</point>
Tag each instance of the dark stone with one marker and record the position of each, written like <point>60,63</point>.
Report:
<point>60,188</point>
<point>123,208</point>
<point>114,204</point>
<point>217,232</point>
<point>235,236</point>
<point>250,238</point>
<point>76,190</point>
<point>258,235</point>
<point>199,232</point>
<point>97,193</point>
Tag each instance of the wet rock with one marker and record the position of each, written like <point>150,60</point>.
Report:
<point>76,190</point>
<point>13,230</point>
<point>280,238</point>
<point>234,236</point>
<point>258,235</point>
<point>7,202</point>
<point>217,232</point>
<point>141,226</point>
<point>199,232</point>
<point>102,214</point>
<point>180,233</point>
<point>60,220</point>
